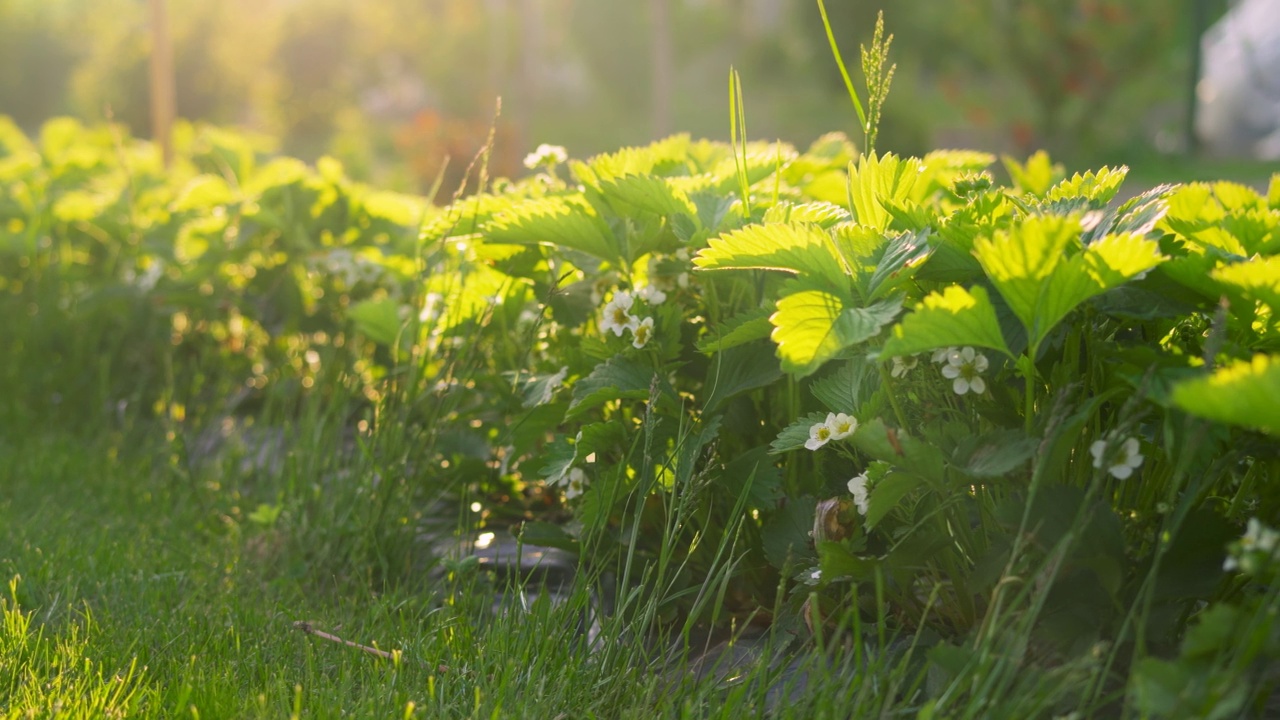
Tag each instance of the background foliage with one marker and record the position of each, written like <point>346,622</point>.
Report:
<point>392,86</point>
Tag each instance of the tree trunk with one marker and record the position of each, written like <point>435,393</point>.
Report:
<point>162,81</point>
<point>663,64</point>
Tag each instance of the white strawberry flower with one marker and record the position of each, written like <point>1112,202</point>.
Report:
<point>861,496</point>
<point>617,314</point>
<point>1120,460</point>
<point>651,294</point>
<point>546,156</point>
<point>819,435</point>
<point>965,367</point>
<point>574,483</point>
<point>902,365</point>
<point>643,330</point>
<point>842,426</point>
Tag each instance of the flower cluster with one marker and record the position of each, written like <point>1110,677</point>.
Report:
<point>546,156</point>
<point>861,495</point>
<point>618,318</point>
<point>837,426</point>
<point>1254,550</point>
<point>1119,459</point>
<point>574,483</point>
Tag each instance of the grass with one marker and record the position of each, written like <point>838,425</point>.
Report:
<point>139,589</point>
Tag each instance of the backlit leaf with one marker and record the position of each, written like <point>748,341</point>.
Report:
<point>823,214</point>
<point>1041,286</point>
<point>1036,176</point>
<point>1097,187</point>
<point>1258,279</point>
<point>801,248</point>
<point>812,326</point>
<point>878,179</point>
<point>648,192</point>
<point>1246,393</point>
<point>568,222</point>
<point>953,317</point>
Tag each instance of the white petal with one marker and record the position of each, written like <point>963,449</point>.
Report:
<point>961,386</point>
<point>951,372</point>
<point>978,385</point>
<point>1097,449</point>
<point>1121,472</point>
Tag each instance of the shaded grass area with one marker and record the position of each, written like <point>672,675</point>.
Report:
<point>137,592</point>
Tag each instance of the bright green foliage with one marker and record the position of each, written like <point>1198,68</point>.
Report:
<point>1246,393</point>
<point>887,388</point>
<point>1256,279</point>
<point>797,248</point>
<point>812,326</point>
<point>1036,176</point>
<point>569,222</point>
<point>877,182</point>
<point>952,317</point>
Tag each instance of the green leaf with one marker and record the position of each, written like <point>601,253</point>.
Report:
<point>738,370</point>
<point>1020,261</point>
<point>1030,267</point>
<point>812,326</point>
<point>378,320</point>
<point>784,537</point>
<point>654,159</point>
<point>1216,629</point>
<point>887,493</point>
<point>877,180</point>
<point>845,390</point>
<point>753,466</point>
<point>1246,393</point>
<point>900,449</point>
<point>822,214</point>
<point>1256,279</point>
<point>568,222</point>
<point>902,256</point>
<point>617,378</point>
<point>805,249</point>
<point>1036,176</point>
<point>953,317</point>
<point>538,390</point>
<point>739,330</point>
<point>545,534</point>
<point>558,458</point>
<point>1097,187</point>
<point>997,453</point>
<point>1157,687</point>
<point>202,193</point>
<point>836,561</point>
<point>648,192</point>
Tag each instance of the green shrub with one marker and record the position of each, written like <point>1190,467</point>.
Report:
<point>1025,423</point>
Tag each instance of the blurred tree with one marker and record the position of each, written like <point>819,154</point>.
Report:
<point>36,59</point>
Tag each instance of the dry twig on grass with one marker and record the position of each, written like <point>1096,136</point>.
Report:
<point>394,655</point>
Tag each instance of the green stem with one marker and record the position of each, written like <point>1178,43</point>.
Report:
<point>887,381</point>
<point>1029,408</point>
